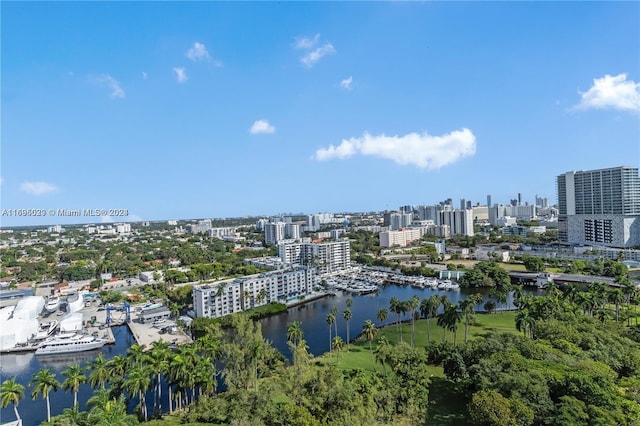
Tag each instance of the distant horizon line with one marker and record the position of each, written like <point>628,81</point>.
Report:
<point>155,221</point>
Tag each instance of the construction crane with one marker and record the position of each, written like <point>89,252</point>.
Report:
<point>124,308</point>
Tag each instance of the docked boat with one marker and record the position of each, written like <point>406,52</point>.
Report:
<point>53,304</point>
<point>74,302</point>
<point>69,342</point>
<point>448,285</point>
<point>46,330</point>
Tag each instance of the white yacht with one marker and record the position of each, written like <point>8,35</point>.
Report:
<point>69,342</point>
<point>75,302</point>
<point>448,285</point>
<point>53,304</point>
<point>46,330</point>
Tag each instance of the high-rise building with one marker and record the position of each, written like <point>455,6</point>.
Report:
<point>600,207</point>
<point>489,200</point>
<point>292,231</point>
<point>400,220</point>
<point>460,222</point>
<point>542,202</point>
<point>326,257</point>
<point>274,232</point>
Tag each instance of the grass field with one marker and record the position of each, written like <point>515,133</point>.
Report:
<point>358,356</point>
<point>447,405</point>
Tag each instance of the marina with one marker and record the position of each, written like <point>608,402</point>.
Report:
<point>311,312</point>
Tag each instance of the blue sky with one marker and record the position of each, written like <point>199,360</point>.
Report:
<point>203,109</point>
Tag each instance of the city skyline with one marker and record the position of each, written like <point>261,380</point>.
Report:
<point>196,110</point>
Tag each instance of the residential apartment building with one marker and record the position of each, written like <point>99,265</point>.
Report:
<point>400,220</point>
<point>220,233</point>
<point>274,233</point>
<point>459,221</point>
<point>327,257</point>
<point>400,238</point>
<point>227,297</point>
<point>600,207</point>
<point>292,231</point>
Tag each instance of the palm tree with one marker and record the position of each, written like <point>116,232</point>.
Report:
<point>602,315</point>
<point>413,304</point>
<point>500,296</point>
<point>175,373</point>
<point>394,306</point>
<point>429,309</point>
<point>628,288</point>
<point>382,352</point>
<point>442,321</point>
<point>205,380</point>
<point>108,410</point>
<point>349,302</point>
<point>135,355</point>
<point>138,382</point>
<point>599,291</point>
<point>334,312</point>
<point>337,344</point>
<point>11,392</point>
<point>451,317</point>
<point>294,332</point>
<point>346,314</point>
<point>586,302</point>
<point>74,378</point>
<point>404,308</point>
<point>466,306</point>
<point>330,319</point>
<point>369,329</point>
<point>44,381</point>
<point>158,360</point>
<point>525,322</point>
<point>571,292</point>
<point>99,371</point>
<point>617,297</point>
<point>382,315</point>
<point>518,294</point>
<point>117,366</point>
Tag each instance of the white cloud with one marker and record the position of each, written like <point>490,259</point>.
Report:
<point>38,188</point>
<point>144,75</point>
<point>421,150</point>
<point>181,74</point>
<point>611,92</point>
<point>346,83</point>
<point>116,90</point>
<point>261,126</point>
<point>306,42</point>
<point>198,52</point>
<point>314,56</point>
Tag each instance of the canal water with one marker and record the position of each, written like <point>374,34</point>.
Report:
<point>312,315</point>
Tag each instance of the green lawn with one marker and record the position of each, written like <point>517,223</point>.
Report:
<point>358,355</point>
<point>447,405</point>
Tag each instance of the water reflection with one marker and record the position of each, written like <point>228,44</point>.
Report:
<point>313,314</point>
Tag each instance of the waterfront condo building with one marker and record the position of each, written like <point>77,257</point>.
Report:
<point>236,295</point>
<point>600,207</point>
<point>326,257</point>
